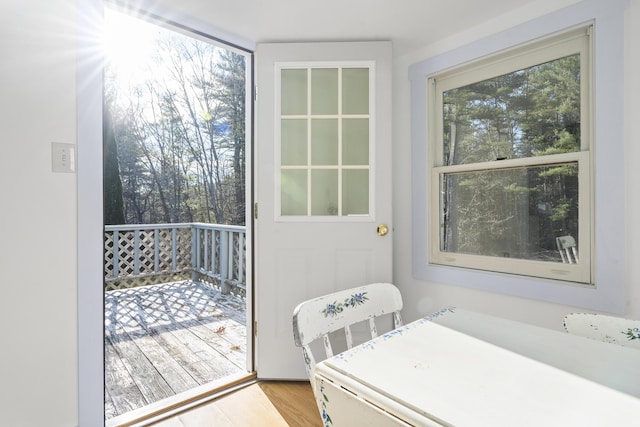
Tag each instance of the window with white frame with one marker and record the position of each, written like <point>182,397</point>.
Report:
<point>510,145</point>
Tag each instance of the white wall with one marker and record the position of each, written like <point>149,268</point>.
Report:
<point>38,285</point>
<point>631,240</point>
<point>38,245</point>
<point>424,297</point>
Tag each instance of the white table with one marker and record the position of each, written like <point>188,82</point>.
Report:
<point>461,368</point>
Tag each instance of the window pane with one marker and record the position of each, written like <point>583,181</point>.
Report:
<point>530,112</point>
<point>324,141</point>
<point>293,192</point>
<point>324,192</point>
<point>355,91</point>
<point>324,91</point>
<point>355,141</point>
<point>355,192</point>
<point>293,142</point>
<point>320,147</point>
<point>294,92</point>
<point>512,213</point>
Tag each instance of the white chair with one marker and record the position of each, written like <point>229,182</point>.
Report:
<point>611,329</point>
<point>316,319</point>
<point>567,248</point>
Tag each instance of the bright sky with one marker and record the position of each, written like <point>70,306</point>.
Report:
<point>129,43</point>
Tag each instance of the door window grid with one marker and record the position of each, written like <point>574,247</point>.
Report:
<point>303,166</point>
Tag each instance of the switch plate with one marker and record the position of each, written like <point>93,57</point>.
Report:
<point>63,157</point>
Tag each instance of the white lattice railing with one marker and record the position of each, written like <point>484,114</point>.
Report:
<point>137,254</point>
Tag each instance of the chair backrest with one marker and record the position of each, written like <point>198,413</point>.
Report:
<point>611,329</point>
<point>567,248</point>
<point>315,319</point>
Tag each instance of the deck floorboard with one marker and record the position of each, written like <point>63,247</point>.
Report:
<point>162,340</point>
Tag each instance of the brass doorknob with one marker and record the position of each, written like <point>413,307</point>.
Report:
<point>383,230</point>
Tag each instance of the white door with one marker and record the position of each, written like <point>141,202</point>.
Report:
<point>323,183</point>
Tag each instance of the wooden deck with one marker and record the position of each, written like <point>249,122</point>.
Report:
<point>161,340</point>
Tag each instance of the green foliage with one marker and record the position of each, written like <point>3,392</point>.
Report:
<point>512,212</point>
<point>561,210</point>
<point>180,134</point>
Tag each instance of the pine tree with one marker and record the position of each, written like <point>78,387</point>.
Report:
<point>112,191</point>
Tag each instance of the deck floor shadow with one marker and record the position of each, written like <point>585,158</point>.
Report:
<point>162,340</point>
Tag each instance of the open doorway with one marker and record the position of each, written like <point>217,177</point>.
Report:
<point>177,258</point>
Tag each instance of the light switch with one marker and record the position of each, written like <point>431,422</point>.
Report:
<point>63,157</point>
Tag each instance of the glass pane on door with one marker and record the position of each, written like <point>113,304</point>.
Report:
<point>294,92</point>
<point>354,200</point>
<point>355,141</point>
<point>324,141</point>
<point>324,91</point>
<point>355,97</point>
<point>293,142</point>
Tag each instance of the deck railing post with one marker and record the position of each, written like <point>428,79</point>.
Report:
<point>240,267</point>
<point>136,252</point>
<point>205,248</point>
<point>194,252</point>
<point>174,250</point>
<point>116,254</point>
<point>156,251</point>
<point>224,261</point>
<point>232,241</point>
<point>216,236</point>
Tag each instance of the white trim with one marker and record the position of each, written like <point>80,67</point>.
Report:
<point>609,293</point>
<point>90,222</point>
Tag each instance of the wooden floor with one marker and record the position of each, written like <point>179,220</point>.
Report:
<point>263,404</point>
<point>162,340</point>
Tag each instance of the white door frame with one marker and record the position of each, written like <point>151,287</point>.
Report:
<point>89,197</point>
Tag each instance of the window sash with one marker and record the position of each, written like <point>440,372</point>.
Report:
<point>580,272</point>
<point>576,42</point>
<point>549,49</point>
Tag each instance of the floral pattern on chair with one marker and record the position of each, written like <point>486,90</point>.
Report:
<point>337,307</point>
